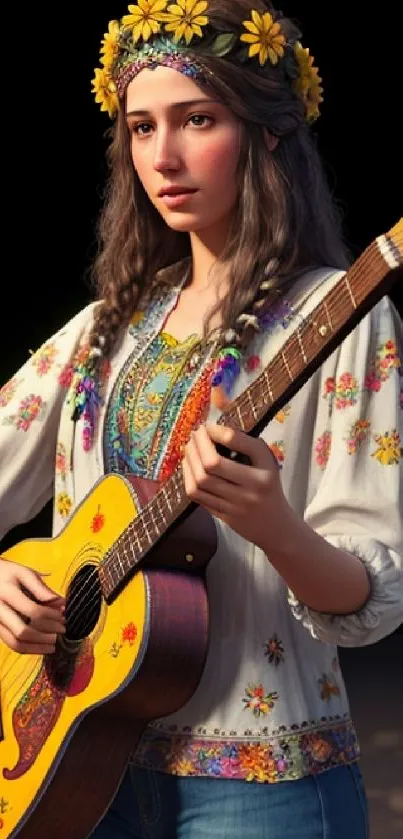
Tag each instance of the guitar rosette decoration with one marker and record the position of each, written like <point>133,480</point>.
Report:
<point>158,33</point>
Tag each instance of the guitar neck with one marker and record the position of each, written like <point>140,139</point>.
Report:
<point>309,346</point>
<point>341,309</point>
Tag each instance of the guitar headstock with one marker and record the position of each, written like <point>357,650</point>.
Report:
<point>395,235</point>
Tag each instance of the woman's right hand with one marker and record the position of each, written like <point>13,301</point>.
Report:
<point>31,614</point>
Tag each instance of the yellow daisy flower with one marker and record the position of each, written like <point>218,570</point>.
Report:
<point>105,91</point>
<point>185,19</point>
<point>265,37</point>
<point>110,45</point>
<point>145,19</point>
<point>308,85</point>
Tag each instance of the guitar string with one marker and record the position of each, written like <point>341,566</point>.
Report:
<point>17,659</point>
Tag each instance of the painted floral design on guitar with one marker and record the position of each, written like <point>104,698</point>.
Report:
<point>98,521</point>
<point>40,707</point>
<point>129,635</point>
<point>5,807</point>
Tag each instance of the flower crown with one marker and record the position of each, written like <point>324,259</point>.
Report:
<point>157,32</point>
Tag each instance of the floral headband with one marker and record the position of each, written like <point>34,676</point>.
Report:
<point>159,33</point>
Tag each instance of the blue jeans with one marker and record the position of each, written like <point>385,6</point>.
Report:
<point>151,805</point>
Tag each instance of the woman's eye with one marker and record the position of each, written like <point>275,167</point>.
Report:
<point>200,120</point>
<point>141,129</point>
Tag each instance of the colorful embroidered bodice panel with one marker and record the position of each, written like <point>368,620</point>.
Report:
<point>154,405</point>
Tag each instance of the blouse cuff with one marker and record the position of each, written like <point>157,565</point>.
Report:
<point>380,615</point>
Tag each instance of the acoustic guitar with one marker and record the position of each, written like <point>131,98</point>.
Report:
<point>136,603</point>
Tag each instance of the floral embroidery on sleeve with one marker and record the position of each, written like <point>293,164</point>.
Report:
<point>346,391</point>
<point>278,449</point>
<point>282,415</point>
<point>389,450</point>
<point>359,432</point>
<point>8,391</point>
<point>323,448</point>
<point>252,363</point>
<point>343,393</point>
<point>386,360</point>
<point>43,360</point>
<point>30,409</point>
<point>61,461</point>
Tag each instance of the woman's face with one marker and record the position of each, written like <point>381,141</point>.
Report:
<point>185,148</point>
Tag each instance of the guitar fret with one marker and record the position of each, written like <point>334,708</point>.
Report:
<point>147,532</point>
<point>119,558</point>
<point>267,380</point>
<point>284,357</point>
<point>329,319</point>
<point>240,417</point>
<point>113,567</point>
<point>105,574</point>
<point>138,543</point>
<point>167,498</point>
<point>301,346</point>
<point>350,291</point>
<point>252,405</point>
<point>126,559</point>
<point>161,510</point>
<point>155,524</point>
<point>135,543</point>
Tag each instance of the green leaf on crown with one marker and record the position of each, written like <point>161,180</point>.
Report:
<point>223,44</point>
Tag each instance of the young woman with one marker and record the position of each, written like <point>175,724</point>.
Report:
<point>217,238</point>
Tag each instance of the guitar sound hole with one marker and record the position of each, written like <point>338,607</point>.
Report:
<point>83,603</point>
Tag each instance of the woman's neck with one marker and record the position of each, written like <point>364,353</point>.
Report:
<point>207,249</point>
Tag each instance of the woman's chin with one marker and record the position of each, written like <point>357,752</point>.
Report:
<point>183,222</point>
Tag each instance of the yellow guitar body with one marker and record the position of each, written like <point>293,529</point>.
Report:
<point>28,700</point>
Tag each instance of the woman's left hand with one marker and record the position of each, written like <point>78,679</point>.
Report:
<point>248,498</point>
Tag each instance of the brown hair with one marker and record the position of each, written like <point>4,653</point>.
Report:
<point>285,221</point>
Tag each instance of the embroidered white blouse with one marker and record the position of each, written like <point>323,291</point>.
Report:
<point>271,704</point>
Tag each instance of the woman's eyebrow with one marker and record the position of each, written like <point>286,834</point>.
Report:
<point>174,106</point>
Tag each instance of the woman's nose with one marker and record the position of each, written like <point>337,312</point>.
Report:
<point>167,155</point>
